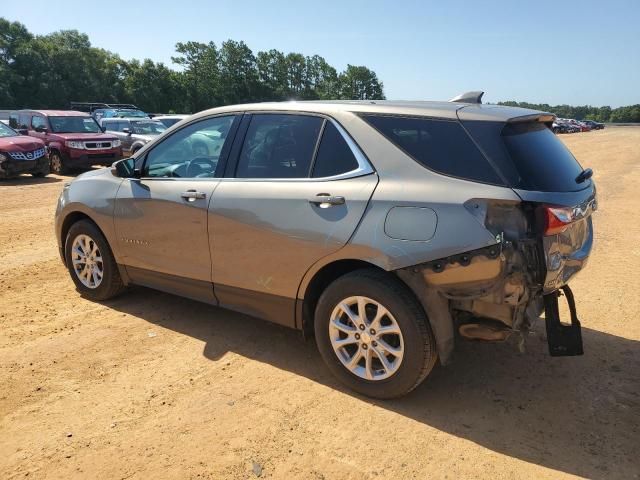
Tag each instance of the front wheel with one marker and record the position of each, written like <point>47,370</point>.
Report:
<point>90,262</point>
<point>42,171</point>
<point>57,164</point>
<point>374,335</point>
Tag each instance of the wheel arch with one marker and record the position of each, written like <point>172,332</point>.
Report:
<point>69,220</point>
<point>311,290</point>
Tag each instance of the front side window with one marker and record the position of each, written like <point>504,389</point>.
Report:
<point>334,155</point>
<point>74,125</point>
<point>439,145</point>
<point>13,120</point>
<point>279,146</point>
<point>6,131</point>
<point>192,152</point>
<point>110,126</point>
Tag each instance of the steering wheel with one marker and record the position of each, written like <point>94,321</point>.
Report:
<point>200,165</point>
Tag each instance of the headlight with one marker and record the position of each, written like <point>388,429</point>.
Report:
<point>3,157</point>
<point>115,143</point>
<point>74,144</point>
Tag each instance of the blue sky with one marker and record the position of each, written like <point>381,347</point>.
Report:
<point>562,51</point>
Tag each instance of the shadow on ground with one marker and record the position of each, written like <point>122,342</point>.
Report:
<point>579,415</point>
<point>22,180</point>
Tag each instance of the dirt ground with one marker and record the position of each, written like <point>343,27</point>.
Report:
<point>155,386</point>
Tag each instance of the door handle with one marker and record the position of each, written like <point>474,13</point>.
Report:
<point>192,195</point>
<point>325,200</point>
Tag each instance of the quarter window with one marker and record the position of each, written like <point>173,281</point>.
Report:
<point>279,146</point>
<point>440,145</point>
<point>38,122</point>
<point>192,152</point>
<point>334,156</point>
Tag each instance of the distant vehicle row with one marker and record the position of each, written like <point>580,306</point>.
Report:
<point>570,125</point>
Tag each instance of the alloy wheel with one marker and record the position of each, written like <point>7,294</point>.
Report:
<point>87,261</point>
<point>366,338</point>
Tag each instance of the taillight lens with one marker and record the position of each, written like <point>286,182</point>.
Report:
<point>558,219</point>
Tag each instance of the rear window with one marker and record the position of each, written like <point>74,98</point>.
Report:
<point>541,161</point>
<point>439,145</point>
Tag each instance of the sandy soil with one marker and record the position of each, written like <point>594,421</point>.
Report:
<point>155,386</point>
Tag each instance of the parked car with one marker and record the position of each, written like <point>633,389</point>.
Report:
<point>74,139</point>
<point>133,133</point>
<point>581,126</point>
<point>103,113</point>
<point>594,125</point>
<point>560,127</point>
<point>170,120</point>
<point>388,230</point>
<point>21,154</point>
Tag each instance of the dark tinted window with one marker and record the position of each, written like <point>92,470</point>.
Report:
<point>542,161</point>
<point>13,120</point>
<point>279,146</point>
<point>439,145</point>
<point>334,155</point>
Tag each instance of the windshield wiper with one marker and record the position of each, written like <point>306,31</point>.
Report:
<point>586,174</point>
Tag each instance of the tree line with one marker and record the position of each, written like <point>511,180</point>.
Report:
<point>627,114</point>
<point>50,71</point>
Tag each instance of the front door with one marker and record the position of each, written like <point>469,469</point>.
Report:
<point>292,201</point>
<point>161,217</point>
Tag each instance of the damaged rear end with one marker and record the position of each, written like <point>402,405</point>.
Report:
<point>542,240</point>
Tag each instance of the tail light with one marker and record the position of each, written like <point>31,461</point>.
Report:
<point>558,219</point>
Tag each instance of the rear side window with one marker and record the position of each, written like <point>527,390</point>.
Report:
<point>542,161</point>
<point>279,146</point>
<point>439,145</point>
<point>334,155</point>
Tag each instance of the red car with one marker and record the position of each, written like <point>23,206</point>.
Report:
<point>21,154</point>
<point>74,139</point>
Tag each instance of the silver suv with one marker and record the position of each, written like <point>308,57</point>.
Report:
<point>133,133</point>
<point>388,230</point>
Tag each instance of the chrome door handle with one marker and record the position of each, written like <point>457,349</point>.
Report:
<point>324,200</point>
<point>192,195</point>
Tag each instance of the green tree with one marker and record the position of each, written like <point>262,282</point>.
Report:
<point>360,83</point>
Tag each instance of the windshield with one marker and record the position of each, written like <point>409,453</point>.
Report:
<point>6,131</point>
<point>148,128</point>
<point>74,125</point>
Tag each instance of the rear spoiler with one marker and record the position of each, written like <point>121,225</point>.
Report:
<point>542,117</point>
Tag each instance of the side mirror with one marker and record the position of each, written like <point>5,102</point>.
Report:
<point>127,131</point>
<point>42,130</point>
<point>103,129</point>
<point>23,131</point>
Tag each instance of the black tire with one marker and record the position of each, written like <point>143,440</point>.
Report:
<point>43,171</point>
<point>57,163</point>
<point>111,284</point>
<point>419,343</point>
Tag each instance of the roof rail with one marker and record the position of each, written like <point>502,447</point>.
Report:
<point>468,97</point>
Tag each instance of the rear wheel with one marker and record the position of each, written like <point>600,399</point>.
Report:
<point>373,334</point>
<point>57,164</point>
<point>91,263</point>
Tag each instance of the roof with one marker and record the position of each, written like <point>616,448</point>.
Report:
<point>447,110</point>
<point>58,113</point>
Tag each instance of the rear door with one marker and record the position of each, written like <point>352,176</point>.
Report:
<point>295,193</point>
<point>161,218</point>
